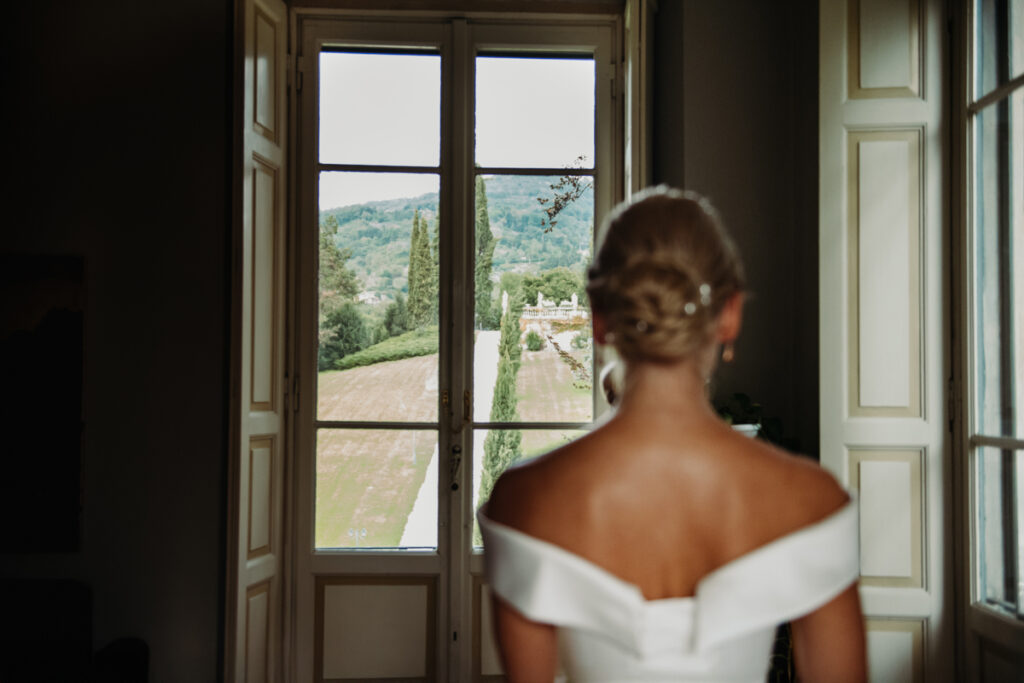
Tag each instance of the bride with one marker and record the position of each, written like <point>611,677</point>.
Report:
<point>664,545</point>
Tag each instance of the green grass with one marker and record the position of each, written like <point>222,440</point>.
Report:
<point>421,342</point>
<point>368,479</point>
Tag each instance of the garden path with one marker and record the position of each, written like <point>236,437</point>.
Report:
<point>421,527</point>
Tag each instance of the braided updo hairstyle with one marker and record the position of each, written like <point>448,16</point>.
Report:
<point>664,270</point>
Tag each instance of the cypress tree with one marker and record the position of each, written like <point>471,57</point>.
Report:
<point>427,280</point>
<point>502,447</point>
<point>435,271</point>
<point>485,243</point>
<point>417,303</point>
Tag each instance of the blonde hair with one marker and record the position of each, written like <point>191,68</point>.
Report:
<point>664,270</point>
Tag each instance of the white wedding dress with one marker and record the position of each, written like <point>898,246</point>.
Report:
<point>609,632</point>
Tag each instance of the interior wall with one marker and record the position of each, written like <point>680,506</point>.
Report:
<point>736,120</point>
<point>117,131</point>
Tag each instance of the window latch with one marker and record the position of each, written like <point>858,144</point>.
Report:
<point>454,463</point>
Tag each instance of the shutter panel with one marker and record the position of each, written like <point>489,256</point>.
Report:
<point>883,319</point>
<point>255,590</point>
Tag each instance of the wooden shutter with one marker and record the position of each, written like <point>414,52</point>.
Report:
<point>254,612</point>
<point>883,316</point>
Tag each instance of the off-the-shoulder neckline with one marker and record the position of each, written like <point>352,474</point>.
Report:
<point>734,564</point>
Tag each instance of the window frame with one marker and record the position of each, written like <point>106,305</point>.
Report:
<point>980,626</point>
<point>628,77</point>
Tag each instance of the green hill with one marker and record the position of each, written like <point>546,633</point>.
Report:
<point>378,233</point>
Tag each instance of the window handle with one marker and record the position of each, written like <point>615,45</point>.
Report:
<point>454,463</point>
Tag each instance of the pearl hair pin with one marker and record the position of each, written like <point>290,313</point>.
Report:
<point>705,294</point>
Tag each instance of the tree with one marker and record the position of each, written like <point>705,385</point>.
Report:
<point>565,191</point>
<point>337,283</point>
<point>435,271</point>
<point>485,244</point>
<point>508,342</point>
<point>502,447</point>
<point>396,317</point>
<point>420,268</point>
<point>337,286</point>
<point>348,334</point>
<point>558,284</point>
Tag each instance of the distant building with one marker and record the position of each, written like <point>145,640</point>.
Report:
<point>540,317</point>
<point>368,298</point>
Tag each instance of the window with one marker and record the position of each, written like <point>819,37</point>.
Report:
<point>995,302</point>
<point>381,236</point>
<point>449,176</point>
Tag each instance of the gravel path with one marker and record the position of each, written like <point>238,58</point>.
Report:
<point>421,527</point>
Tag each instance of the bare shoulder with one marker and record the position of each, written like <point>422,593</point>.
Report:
<point>528,493</point>
<point>809,491</point>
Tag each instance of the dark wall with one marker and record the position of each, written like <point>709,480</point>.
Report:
<point>117,118</point>
<point>736,119</point>
<point>118,136</point>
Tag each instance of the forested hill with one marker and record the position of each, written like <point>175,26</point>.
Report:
<point>378,233</point>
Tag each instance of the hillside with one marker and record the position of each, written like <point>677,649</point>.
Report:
<point>378,233</point>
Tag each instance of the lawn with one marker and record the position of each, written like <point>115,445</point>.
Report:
<point>368,479</point>
<point>546,392</point>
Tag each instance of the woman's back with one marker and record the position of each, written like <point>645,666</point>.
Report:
<point>664,545</point>
<point>662,502</point>
<point>686,581</point>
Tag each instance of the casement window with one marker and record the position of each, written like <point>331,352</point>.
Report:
<point>449,172</point>
<point>992,321</point>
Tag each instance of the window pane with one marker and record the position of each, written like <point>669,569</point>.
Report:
<point>999,40</point>
<point>533,356</point>
<point>381,109</point>
<point>496,449</point>
<point>378,284</point>
<point>1000,527</point>
<point>999,268</point>
<point>534,112</point>
<point>376,488</point>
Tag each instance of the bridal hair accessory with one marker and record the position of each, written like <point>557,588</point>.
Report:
<point>728,353</point>
<point>705,294</point>
<point>705,299</point>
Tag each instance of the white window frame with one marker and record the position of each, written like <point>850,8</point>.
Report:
<point>623,162</point>
<point>981,626</point>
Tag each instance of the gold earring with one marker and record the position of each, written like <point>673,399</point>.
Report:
<point>728,353</point>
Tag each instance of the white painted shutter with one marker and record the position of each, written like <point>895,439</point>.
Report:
<point>883,318</point>
<point>255,591</point>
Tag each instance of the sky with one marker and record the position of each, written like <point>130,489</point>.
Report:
<point>385,109</point>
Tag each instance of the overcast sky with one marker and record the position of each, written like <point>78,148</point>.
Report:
<point>385,109</point>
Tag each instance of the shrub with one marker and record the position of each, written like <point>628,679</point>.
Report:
<point>421,342</point>
<point>346,334</point>
<point>581,340</point>
<point>534,342</point>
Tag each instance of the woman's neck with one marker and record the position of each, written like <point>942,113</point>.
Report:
<point>678,389</point>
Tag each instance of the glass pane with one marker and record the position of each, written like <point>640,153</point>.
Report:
<point>533,355</point>
<point>534,112</point>
<point>378,285</point>
<point>380,109</point>
<point>999,268</point>
<point>999,41</point>
<point>496,449</point>
<point>1000,527</point>
<point>1018,514</point>
<point>376,488</point>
